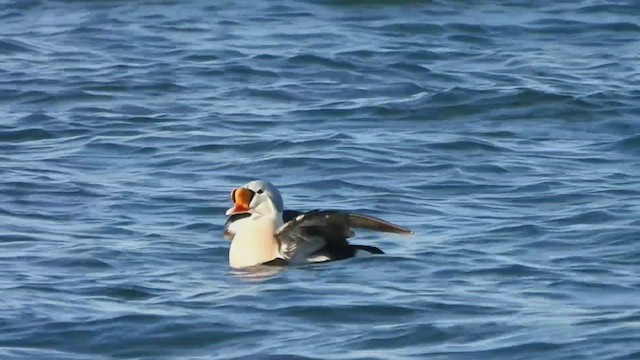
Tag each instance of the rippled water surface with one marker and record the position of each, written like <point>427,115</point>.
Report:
<point>505,134</point>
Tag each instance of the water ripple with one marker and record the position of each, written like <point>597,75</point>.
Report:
<point>502,133</point>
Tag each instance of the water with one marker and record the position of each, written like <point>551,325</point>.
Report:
<point>505,135</point>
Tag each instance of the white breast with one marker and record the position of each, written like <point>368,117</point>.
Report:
<point>254,243</point>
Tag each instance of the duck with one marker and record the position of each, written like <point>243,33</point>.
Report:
<point>262,232</point>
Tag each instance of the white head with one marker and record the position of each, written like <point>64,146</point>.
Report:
<point>258,198</point>
<point>253,240</point>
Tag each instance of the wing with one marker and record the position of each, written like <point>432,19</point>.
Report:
<point>375,224</point>
<point>305,235</point>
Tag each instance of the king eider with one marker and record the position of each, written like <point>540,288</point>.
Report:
<point>263,233</point>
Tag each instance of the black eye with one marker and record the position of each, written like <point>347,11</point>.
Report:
<point>260,191</point>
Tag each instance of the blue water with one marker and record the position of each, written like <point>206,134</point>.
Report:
<point>505,134</point>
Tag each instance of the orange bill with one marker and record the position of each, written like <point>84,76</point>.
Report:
<point>241,198</point>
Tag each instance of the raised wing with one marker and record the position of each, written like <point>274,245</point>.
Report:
<point>375,224</point>
<point>309,233</point>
